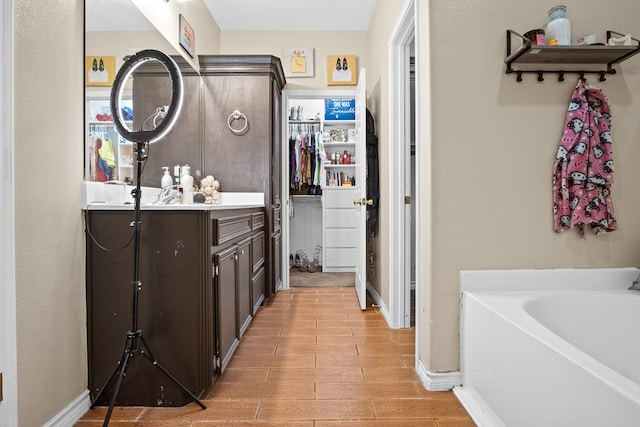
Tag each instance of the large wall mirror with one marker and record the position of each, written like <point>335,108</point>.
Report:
<point>115,29</point>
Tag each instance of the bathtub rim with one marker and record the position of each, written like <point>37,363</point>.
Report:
<point>484,283</point>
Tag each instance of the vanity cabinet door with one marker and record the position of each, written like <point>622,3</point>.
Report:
<point>244,269</point>
<point>225,290</point>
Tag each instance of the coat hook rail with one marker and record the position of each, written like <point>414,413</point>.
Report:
<point>561,73</point>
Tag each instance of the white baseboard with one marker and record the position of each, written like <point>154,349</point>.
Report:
<point>72,413</point>
<point>378,301</point>
<point>438,381</point>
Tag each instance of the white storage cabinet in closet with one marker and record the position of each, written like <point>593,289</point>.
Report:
<point>101,130</point>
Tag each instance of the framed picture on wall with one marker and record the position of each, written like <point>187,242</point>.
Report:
<point>298,62</point>
<point>186,36</point>
<point>341,70</point>
<point>99,70</point>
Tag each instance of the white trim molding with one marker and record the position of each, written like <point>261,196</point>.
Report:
<point>8,352</point>
<point>72,412</point>
<point>401,38</point>
<point>438,381</point>
<point>380,303</point>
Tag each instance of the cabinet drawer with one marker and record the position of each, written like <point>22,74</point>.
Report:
<point>257,221</point>
<point>226,229</point>
<point>339,238</point>
<point>345,257</point>
<point>339,198</point>
<point>340,218</point>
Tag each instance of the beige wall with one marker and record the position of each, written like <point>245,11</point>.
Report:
<point>275,42</point>
<point>50,295</point>
<point>488,140</point>
<point>492,143</point>
<point>164,16</point>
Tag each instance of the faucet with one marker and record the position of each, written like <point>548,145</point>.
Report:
<point>168,195</point>
<point>635,285</point>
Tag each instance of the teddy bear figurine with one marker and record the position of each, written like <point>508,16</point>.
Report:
<point>209,187</point>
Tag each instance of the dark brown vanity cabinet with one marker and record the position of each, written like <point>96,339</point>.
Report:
<point>176,304</point>
<point>249,160</point>
<point>238,248</point>
<point>198,275</point>
<point>242,153</point>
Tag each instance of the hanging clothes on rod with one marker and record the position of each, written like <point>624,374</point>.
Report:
<point>305,158</point>
<point>102,157</point>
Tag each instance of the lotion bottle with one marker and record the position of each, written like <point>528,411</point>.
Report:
<point>186,181</point>
<point>559,27</point>
<point>166,180</point>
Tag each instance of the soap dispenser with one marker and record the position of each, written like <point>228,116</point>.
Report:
<point>186,181</point>
<point>166,180</point>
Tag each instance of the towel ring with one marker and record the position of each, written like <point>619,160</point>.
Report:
<point>237,115</point>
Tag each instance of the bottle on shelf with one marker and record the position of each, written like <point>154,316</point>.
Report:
<point>186,181</point>
<point>559,27</point>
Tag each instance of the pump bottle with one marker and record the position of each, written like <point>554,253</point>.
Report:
<point>166,180</point>
<point>186,182</point>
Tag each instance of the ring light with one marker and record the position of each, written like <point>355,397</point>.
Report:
<point>169,117</point>
<point>135,343</point>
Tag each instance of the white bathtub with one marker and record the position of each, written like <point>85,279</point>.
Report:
<point>551,348</point>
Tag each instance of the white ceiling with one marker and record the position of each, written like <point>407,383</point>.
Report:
<point>298,15</point>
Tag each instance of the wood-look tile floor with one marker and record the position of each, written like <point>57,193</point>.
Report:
<point>311,358</point>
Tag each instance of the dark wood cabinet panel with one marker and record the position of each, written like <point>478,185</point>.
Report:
<point>175,305</point>
<point>225,284</point>
<point>244,273</point>
<point>257,289</point>
<point>251,84</point>
<point>245,162</point>
<point>196,299</point>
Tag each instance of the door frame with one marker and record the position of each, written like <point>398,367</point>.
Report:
<point>8,357</point>
<point>288,95</point>
<point>404,34</point>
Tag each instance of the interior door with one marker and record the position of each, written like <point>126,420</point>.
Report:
<point>360,203</point>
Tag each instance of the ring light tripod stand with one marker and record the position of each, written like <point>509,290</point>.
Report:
<point>135,342</point>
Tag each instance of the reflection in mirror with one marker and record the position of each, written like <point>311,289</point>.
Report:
<point>114,29</point>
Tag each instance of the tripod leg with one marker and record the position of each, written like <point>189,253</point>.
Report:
<point>149,355</point>
<point>113,374</point>
<point>121,374</point>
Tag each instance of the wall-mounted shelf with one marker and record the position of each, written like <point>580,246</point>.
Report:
<point>567,55</point>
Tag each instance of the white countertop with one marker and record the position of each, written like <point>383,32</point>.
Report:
<point>94,198</point>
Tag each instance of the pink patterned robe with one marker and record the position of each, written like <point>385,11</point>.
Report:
<point>583,171</point>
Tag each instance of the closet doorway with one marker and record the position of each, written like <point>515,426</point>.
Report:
<point>323,215</point>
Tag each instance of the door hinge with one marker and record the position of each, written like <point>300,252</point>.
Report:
<point>215,270</point>
<point>407,200</point>
<point>0,386</point>
<point>216,361</point>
